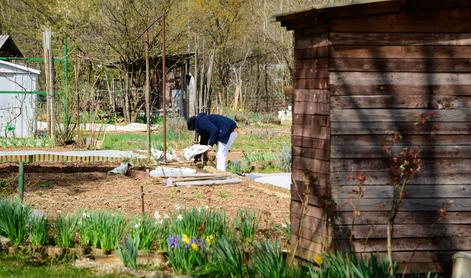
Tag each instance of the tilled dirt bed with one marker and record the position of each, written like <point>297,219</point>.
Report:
<point>70,188</point>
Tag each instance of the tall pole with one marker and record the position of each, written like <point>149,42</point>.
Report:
<point>46,41</point>
<point>164,90</point>
<point>149,143</point>
<point>76,73</point>
<point>66,78</point>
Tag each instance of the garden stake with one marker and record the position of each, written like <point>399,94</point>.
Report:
<point>142,199</point>
<point>21,178</point>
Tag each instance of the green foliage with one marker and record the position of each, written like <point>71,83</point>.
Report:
<point>127,251</point>
<point>146,230</point>
<point>13,220</point>
<point>226,259</point>
<point>340,265</point>
<point>66,228</point>
<point>28,142</point>
<point>199,221</point>
<point>186,254</point>
<point>268,261</point>
<point>38,230</point>
<point>101,229</point>
<point>285,229</point>
<point>246,224</point>
<point>283,159</point>
<point>239,167</point>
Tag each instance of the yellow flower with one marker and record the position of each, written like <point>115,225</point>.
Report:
<point>210,239</point>
<point>186,239</point>
<point>318,259</point>
<point>194,246</point>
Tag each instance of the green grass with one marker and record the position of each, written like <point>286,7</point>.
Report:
<point>14,266</point>
<point>137,141</point>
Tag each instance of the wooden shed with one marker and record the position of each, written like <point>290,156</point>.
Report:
<point>366,70</point>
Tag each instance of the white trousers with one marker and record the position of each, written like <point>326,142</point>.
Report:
<point>223,150</point>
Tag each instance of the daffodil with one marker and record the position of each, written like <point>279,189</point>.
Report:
<point>186,239</point>
<point>180,217</point>
<point>195,246</point>
<point>210,240</point>
<point>318,259</point>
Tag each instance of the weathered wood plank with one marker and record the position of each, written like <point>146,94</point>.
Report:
<point>396,90</point>
<point>450,204</point>
<point>312,73</point>
<point>321,96</point>
<point>322,154</point>
<point>368,152</point>
<point>311,108</point>
<point>369,127</point>
<point>391,25</point>
<point>406,140</point>
<point>298,174</point>
<point>318,132</point>
<point>400,101</point>
<point>399,115</point>
<point>307,142</point>
<point>311,211</point>
<point>391,65</point>
<point>412,192</point>
<point>313,165</point>
<point>405,39</point>
<point>401,52</point>
<point>403,217</point>
<point>307,83</point>
<point>384,178</point>
<point>408,244</point>
<point>314,64</point>
<point>403,231</point>
<point>399,78</point>
<point>320,40</point>
<point>309,121</point>
<point>429,166</point>
<point>313,52</point>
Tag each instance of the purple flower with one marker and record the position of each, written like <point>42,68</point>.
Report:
<point>173,242</point>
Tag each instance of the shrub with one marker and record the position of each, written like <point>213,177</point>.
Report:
<point>127,252</point>
<point>246,224</point>
<point>146,230</point>
<point>13,220</point>
<point>283,158</point>
<point>38,230</point>
<point>226,260</point>
<point>66,227</point>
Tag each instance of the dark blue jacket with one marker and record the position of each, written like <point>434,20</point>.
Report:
<point>213,128</point>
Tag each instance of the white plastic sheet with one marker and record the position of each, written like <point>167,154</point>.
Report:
<point>194,150</point>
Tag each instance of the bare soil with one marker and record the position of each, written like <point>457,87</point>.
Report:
<point>69,188</point>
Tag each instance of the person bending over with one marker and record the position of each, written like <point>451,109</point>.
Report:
<point>215,129</point>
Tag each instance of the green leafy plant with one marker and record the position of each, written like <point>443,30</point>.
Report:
<point>348,265</point>
<point>66,227</point>
<point>283,159</point>
<point>186,254</point>
<point>268,261</point>
<point>199,221</point>
<point>246,224</point>
<point>127,251</point>
<point>285,229</point>
<point>146,230</point>
<point>38,230</point>
<point>226,259</point>
<point>14,218</point>
<point>101,229</point>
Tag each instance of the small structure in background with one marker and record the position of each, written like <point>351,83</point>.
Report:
<point>8,47</point>
<point>17,101</point>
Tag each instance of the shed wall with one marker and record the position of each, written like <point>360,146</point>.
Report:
<point>357,82</point>
<point>17,110</point>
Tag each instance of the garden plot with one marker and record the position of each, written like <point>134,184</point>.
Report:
<point>56,189</point>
